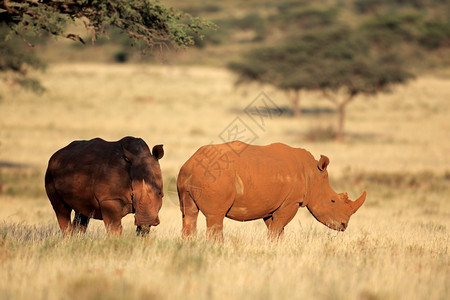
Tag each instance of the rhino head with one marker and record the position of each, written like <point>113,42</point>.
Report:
<point>328,207</point>
<point>146,185</point>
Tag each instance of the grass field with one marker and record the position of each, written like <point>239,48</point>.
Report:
<point>397,148</point>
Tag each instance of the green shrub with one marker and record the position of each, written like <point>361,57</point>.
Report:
<point>434,34</point>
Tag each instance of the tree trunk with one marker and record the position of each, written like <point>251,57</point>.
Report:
<point>294,96</point>
<point>341,119</point>
<point>341,112</point>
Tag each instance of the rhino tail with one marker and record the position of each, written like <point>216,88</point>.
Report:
<point>50,188</point>
<point>188,207</point>
<point>187,195</point>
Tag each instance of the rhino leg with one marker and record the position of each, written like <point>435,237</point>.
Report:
<point>63,216</point>
<point>214,227</point>
<point>273,232</point>
<point>280,218</point>
<point>271,235</point>
<point>112,216</point>
<point>190,213</point>
<point>62,212</point>
<point>80,222</point>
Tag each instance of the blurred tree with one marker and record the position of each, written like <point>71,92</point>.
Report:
<point>413,28</point>
<point>421,39</point>
<point>15,62</point>
<point>279,66</point>
<point>303,16</point>
<point>340,62</point>
<point>434,34</point>
<point>147,22</point>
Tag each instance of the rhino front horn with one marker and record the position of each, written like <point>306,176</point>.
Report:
<point>358,202</point>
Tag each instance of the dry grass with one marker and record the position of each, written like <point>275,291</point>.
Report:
<point>397,146</point>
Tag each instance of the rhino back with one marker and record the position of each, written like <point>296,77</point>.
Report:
<point>259,178</point>
<point>77,169</point>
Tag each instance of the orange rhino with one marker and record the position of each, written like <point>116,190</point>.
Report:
<point>245,182</point>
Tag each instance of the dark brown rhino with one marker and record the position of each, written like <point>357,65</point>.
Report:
<point>245,182</point>
<point>106,181</point>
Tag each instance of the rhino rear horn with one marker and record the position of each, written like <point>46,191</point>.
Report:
<point>358,202</point>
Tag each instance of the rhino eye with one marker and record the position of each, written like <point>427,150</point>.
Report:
<point>332,201</point>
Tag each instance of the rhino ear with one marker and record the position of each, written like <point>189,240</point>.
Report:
<point>323,163</point>
<point>158,151</point>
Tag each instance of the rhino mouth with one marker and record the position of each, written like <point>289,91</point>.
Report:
<point>335,226</point>
<point>143,230</point>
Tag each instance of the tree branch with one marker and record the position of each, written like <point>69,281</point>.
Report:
<point>22,38</point>
<point>146,21</point>
<point>329,97</point>
<point>350,98</point>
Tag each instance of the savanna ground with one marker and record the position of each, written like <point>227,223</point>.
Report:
<point>397,148</point>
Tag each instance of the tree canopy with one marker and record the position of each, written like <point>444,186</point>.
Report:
<point>147,22</point>
<point>335,61</point>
